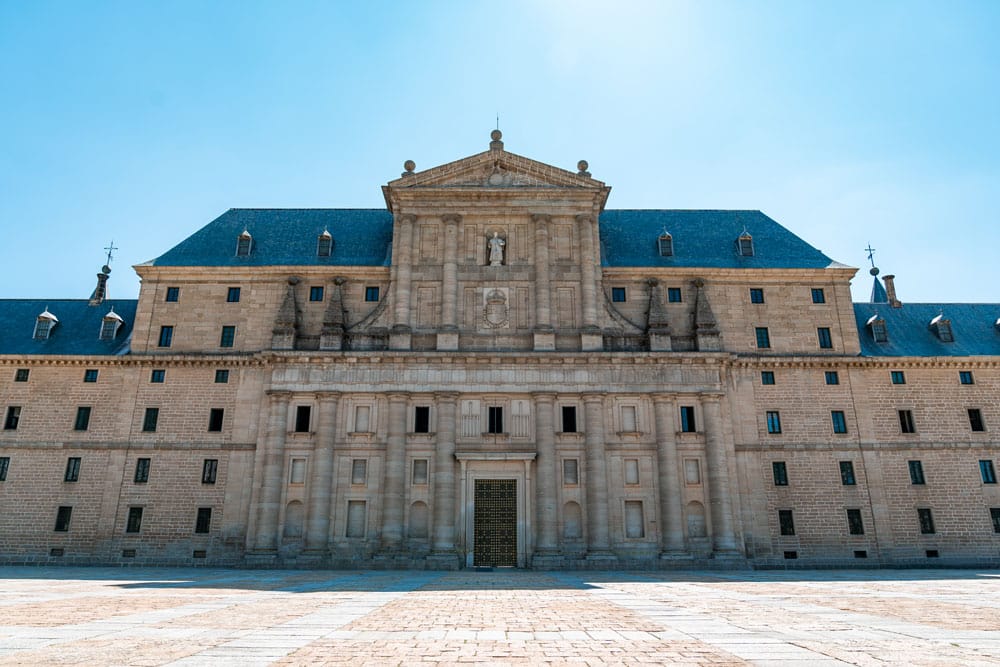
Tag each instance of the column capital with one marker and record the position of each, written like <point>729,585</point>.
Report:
<point>545,396</point>
<point>446,396</point>
<point>328,396</point>
<point>398,396</point>
<point>279,395</point>
<point>451,218</point>
<point>541,217</point>
<point>593,398</point>
<point>710,397</point>
<point>405,218</point>
<point>584,218</point>
<point>663,398</point>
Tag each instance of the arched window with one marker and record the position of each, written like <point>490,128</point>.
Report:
<point>109,325</point>
<point>324,244</point>
<point>244,244</point>
<point>665,244</point>
<point>745,244</point>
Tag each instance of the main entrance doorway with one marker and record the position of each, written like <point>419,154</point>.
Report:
<point>495,523</point>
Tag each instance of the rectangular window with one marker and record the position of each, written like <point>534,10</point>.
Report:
<point>635,525</point>
<point>855,524</point>
<point>422,419</point>
<point>825,341</point>
<point>359,471</point>
<point>767,377</point>
<point>906,424</point>
<point>316,293</point>
<point>209,471</point>
<point>926,521</point>
<point>134,523</point>
<point>832,377</point>
<point>818,295</point>
<point>847,473</point>
<point>419,474</point>
<point>371,293</point>
<point>4,466</point>
<point>571,472</point>
<point>687,419</point>
<point>629,419</point>
<point>63,515</point>
<point>13,418</point>
<point>965,377</point>
<point>149,419</point>
<point>618,294</point>
<point>839,421</point>
<point>203,523</point>
<point>786,522</point>
<point>173,293</point>
<point>987,471</point>
<point>297,472</point>
<point>495,419</point>
<point>303,415</point>
<point>976,419</point>
<point>157,376</point>
<point>72,469</point>
<point>228,336</point>
<point>631,471</point>
<point>898,377</point>
<point>674,294</point>
<point>215,416</point>
<point>21,374</point>
<point>995,518</point>
<point>90,375</point>
<point>82,422</point>
<point>166,336</point>
<point>763,338</point>
<point>773,421</point>
<point>356,518</point>
<point>569,419</point>
<point>916,472</point>
<point>141,471</point>
<point>780,472</point>
<point>221,376</point>
<point>233,295</point>
<point>756,295</point>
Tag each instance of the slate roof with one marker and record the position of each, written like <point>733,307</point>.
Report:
<point>878,292</point>
<point>973,325</point>
<point>77,331</point>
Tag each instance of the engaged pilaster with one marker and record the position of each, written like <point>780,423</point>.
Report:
<point>395,473</point>
<point>598,543</point>
<point>591,337</point>
<point>723,533</point>
<point>402,257</point>
<point>545,338</point>
<point>546,471</point>
<point>671,518</point>
<point>443,550</point>
<point>447,338</point>
<point>321,478</point>
<point>273,473</point>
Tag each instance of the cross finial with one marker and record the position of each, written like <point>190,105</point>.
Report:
<point>111,249</point>
<point>498,121</point>
<point>871,254</point>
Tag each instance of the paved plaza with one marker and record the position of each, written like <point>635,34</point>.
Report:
<point>95,616</point>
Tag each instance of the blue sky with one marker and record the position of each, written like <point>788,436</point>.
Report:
<point>848,122</point>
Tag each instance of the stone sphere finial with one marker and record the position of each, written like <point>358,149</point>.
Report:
<point>873,270</point>
<point>496,135</point>
<point>409,166</point>
<point>582,166</point>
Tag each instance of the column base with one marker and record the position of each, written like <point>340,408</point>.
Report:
<point>545,341</point>
<point>601,557</point>
<point>399,340</point>
<point>446,560</point>
<point>592,342</point>
<point>447,341</point>
<point>659,342</point>
<point>312,557</point>
<point>676,555</point>
<point>548,561</point>
<point>261,558</point>
<point>733,555</point>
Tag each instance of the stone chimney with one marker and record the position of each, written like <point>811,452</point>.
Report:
<point>97,298</point>
<point>890,291</point>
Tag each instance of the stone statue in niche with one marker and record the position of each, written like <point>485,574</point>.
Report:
<point>496,249</point>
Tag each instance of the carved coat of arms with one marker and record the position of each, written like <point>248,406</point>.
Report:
<point>495,311</point>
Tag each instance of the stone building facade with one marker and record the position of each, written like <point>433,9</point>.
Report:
<point>496,370</point>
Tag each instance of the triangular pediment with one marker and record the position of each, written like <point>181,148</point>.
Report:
<point>495,169</point>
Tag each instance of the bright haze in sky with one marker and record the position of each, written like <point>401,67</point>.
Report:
<point>849,123</point>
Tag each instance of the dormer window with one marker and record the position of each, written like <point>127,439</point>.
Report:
<point>942,329</point>
<point>110,324</point>
<point>44,324</point>
<point>745,245</point>
<point>665,244</point>
<point>244,243</point>
<point>880,333</point>
<point>324,244</point>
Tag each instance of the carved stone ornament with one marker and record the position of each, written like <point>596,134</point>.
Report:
<point>495,311</point>
<point>497,244</point>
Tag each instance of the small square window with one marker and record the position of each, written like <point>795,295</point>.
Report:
<point>839,421</point>
<point>316,293</point>
<point>756,295</point>
<point>141,471</point>
<point>371,293</point>
<point>303,418</point>
<point>149,419</point>
<point>21,374</point>
<point>780,472</point>
<point>965,377</point>
<point>13,418</point>
<point>825,340</point>
<point>995,518</point>
<point>4,467</point>
<point>832,377</point>
<point>976,419</point>
<point>855,524</point>
<point>773,422</point>
<point>63,515</point>
<point>767,377</point>
<point>82,422</point>
<point>72,469</point>
<point>90,375</point>
<point>359,471</point>
<point>786,522</point>
<point>898,377</point>
<point>157,376</point>
<point>203,522</point>
<point>916,472</point>
<point>495,419</point>
<point>847,473</point>
<point>571,472</point>
<point>618,294</point>
<point>906,423</point>
<point>818,295</point>
<point>134,522</point>
<point>926,519</point>
<point>687,419</point>
<point>763,338</point>
<point>228,336</point>
<point>173,293</point>
<point>569,419</point>
<point>674,294</point>
<point>422,419</point>
<point>215,416</point>
<point>166,336</point>
<point>209,471</point>
<point>221,376</point>
<point>419,474</point>
<point>987,471</point>
<point>233,295</point>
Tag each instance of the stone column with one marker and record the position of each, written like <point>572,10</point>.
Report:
<point>274,472</point>
<point>447,338</point>
<point>544,336</point>
<point>443,548</point>
<point>395,473</point>
<point>720,493</point>
<point>546,474</point>
<point>591,338</point>
<point>671,517</point>
<point>598,544</point>
<point>402,257</point>
<point>321,477</point>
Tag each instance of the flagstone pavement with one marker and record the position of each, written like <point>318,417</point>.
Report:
<point>167,616</point>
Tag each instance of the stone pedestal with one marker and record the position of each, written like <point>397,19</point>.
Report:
<point>399,339</point>
<point>447,341</point>
<point>659,342</point>
<point>591,341</point>
<point>444,561</point>
<point>545,341</point>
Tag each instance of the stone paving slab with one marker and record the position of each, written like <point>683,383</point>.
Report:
<point>99,616</point>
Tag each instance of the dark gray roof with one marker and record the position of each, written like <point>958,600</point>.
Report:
<point>77,332</point>
<point>287,237</point>
<point>973,326</point>
<point>703,238</point>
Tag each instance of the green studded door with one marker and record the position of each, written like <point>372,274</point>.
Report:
<point>495,523</point>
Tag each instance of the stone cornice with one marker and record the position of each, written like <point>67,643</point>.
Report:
<point>834,362</point>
